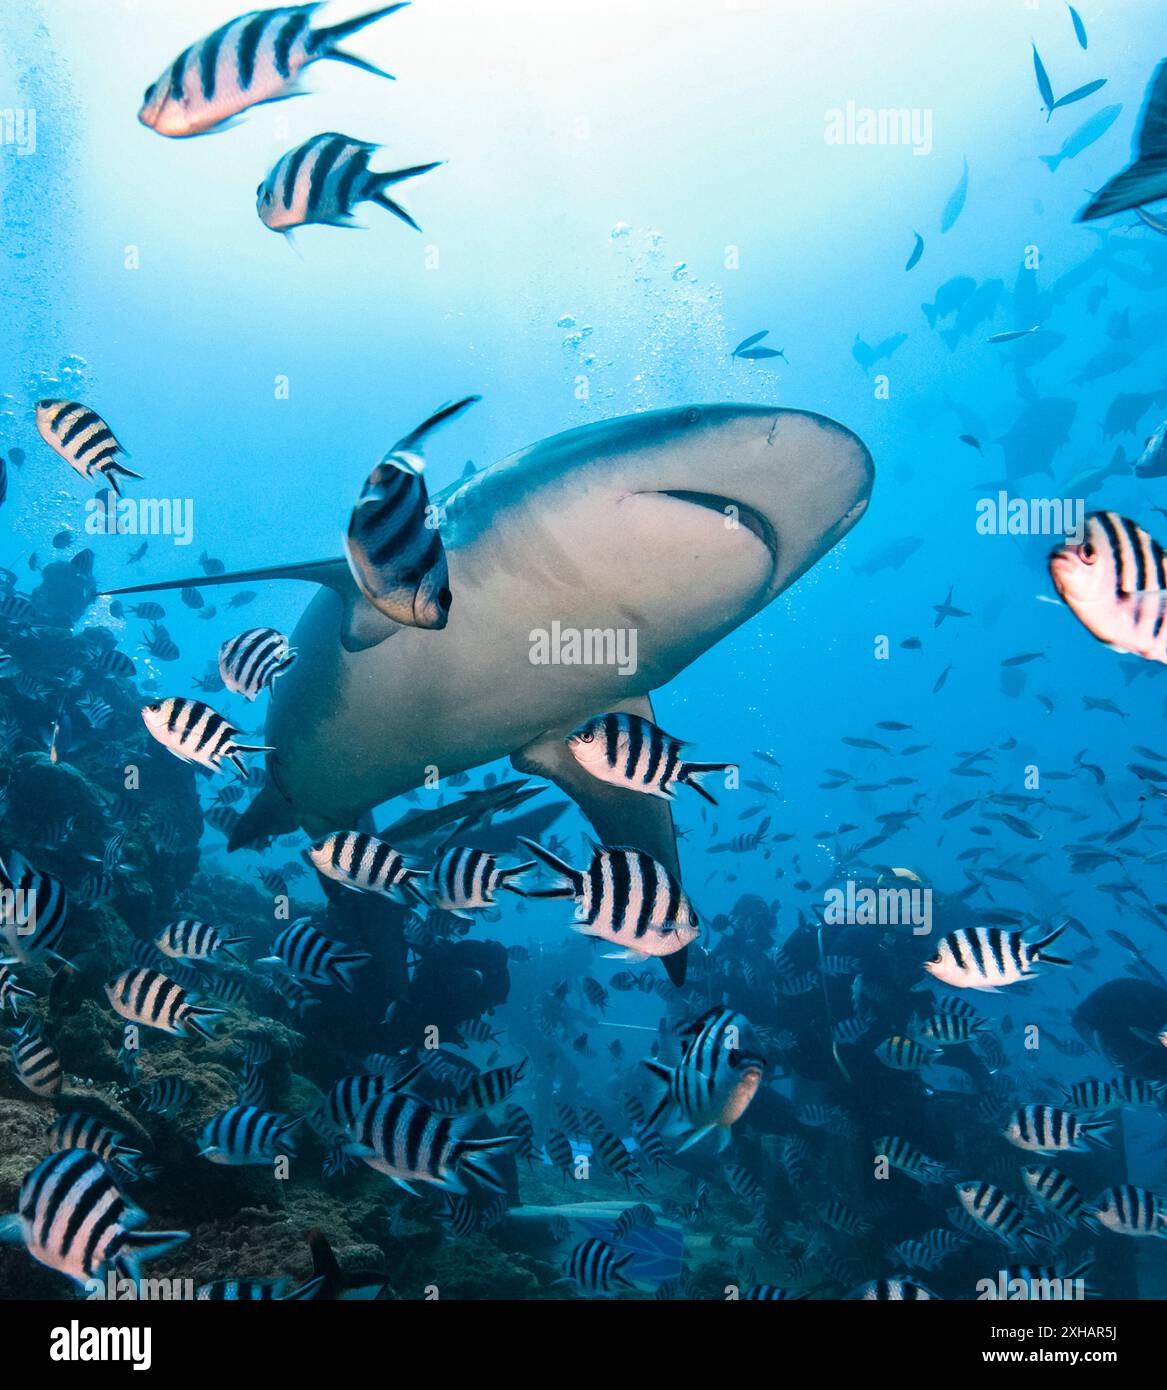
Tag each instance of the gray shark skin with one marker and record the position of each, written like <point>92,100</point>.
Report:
<point>678,525</point>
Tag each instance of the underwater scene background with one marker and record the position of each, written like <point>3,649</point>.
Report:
<point>283,1070</point>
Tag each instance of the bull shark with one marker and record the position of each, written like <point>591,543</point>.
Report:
<point>1144,180</point>
<point>667,529</point>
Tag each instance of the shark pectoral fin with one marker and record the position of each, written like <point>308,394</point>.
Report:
<point>331,574</point>
<point>619,816</point>
<point>362,626</point>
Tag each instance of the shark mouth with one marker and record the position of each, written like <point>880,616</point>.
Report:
<point>752,520</point>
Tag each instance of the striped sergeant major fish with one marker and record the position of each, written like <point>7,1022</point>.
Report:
<point>351,1094</point>
<point>899,1289</point>
<point>988,958</point>
<point>638,1215</point>
<point>309,955</point>
<point>323,180</point>
<point>714,1082</point>
<point>626,897</point>
<point>465,879</point>
<point>1049,1283</point>
<point>82,438</point>
<point>1053,1190</point>
<point>910,1160</point>
<point>393,547</point>
<point>253,1089</point>
<point>73,1218</point>
<point>993,1210</point>
<point>223,819</point>
<point>1137,1090</point>
<point>1114,581</point>
<point>904,1054</point>
<point>166,1095</point>
<point>949,1029</point>
<point>518,1122</point>
<point>929,1252</point>
<point>768,1293</point>
<point>463,1217</point>
<point>560,1152</point>
<point>250,662</point>
<point>110,662</point>
<point>363,862</point>
<point>36,1061</point>
<point>1129,1211</point>
<point>409,1142</point>
<point>194,733</point>
<point>150,998</point>
<point>10,991</point>
<point>80,1131</point>
<point>1046,1129</point>
<point>257,1291</point>
<point>839,1217</point>
<point>627,750</point>
<point>33,911</point>
<point>348,1096</point>
<point>244,1135</point>
<point>486,1090</point>
<point>190,939</point>
<point>596,1268</point>
<point>476,1030</point>
<point>615,1158</point>
<point>250,60</point>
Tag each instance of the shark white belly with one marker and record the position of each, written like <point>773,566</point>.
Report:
<point>666,530</point>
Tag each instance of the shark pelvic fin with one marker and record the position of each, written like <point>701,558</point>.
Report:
<point>619,816</point>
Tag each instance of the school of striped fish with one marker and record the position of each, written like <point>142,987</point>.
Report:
<point>897,1031</point>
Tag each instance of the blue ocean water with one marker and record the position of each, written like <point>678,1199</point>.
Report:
<point>625,195</point>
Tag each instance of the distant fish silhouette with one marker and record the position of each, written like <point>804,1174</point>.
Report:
<point>917,252</point>
<point>955,205</point>
<point>867,356</point>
